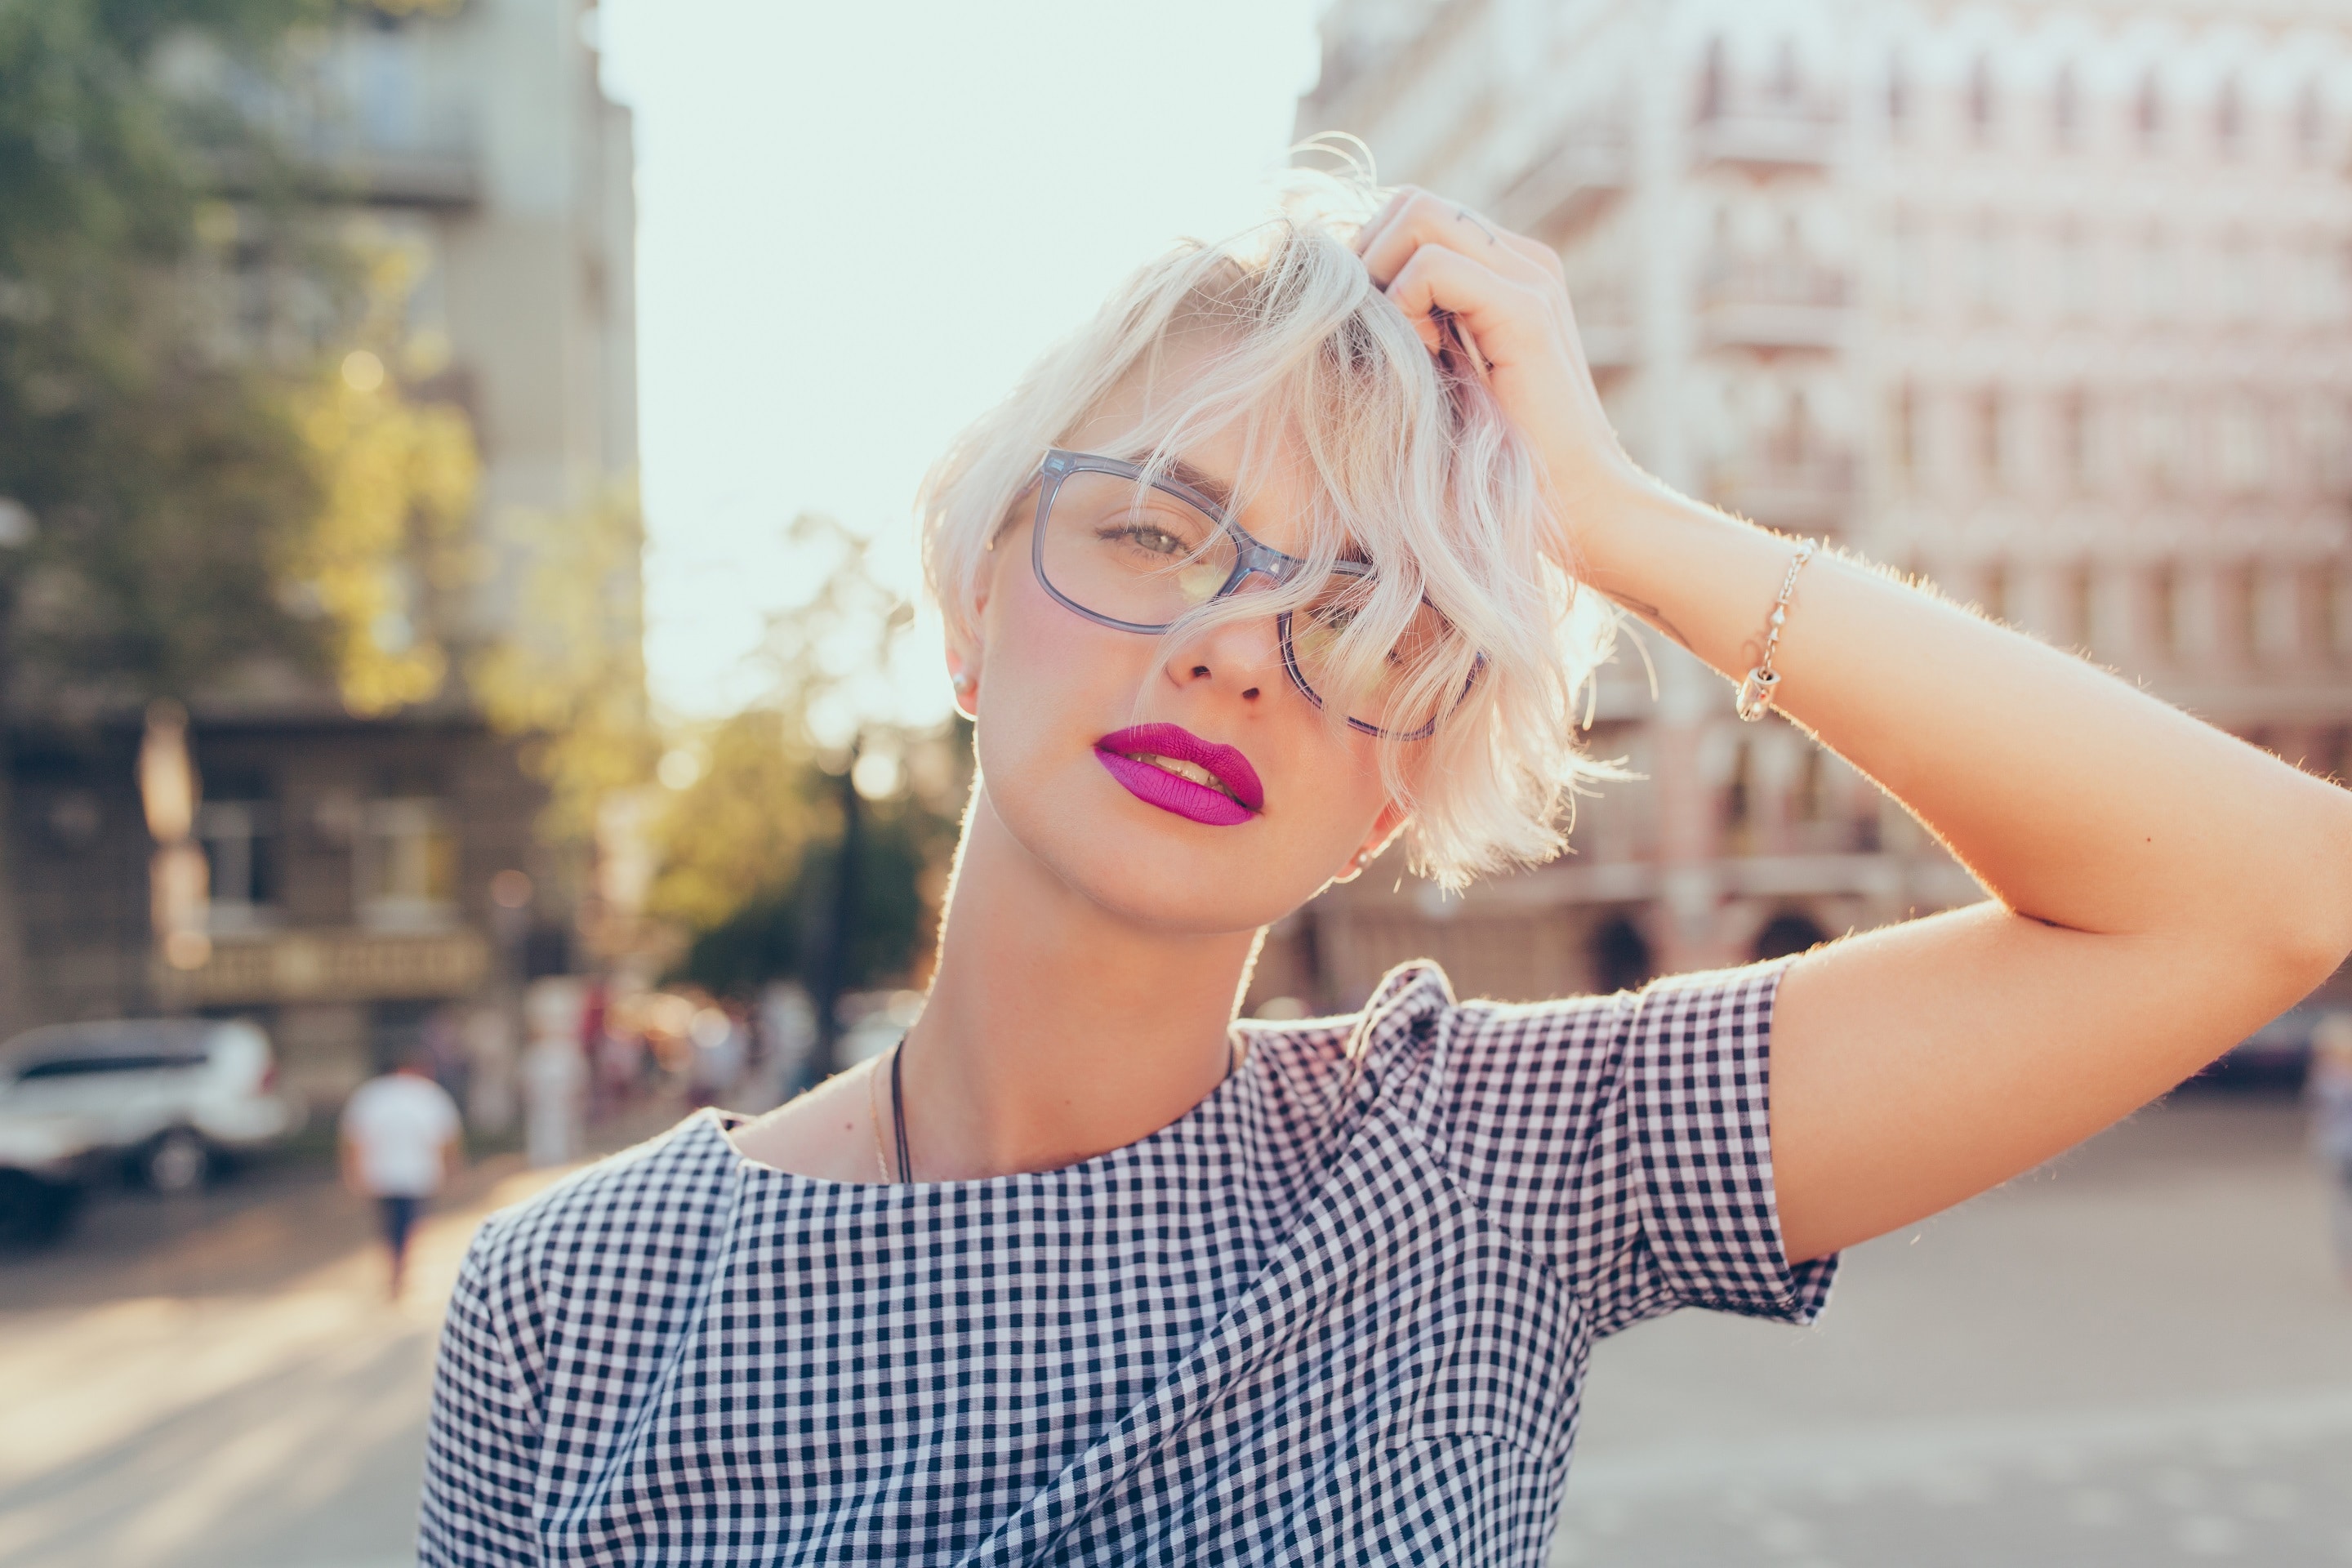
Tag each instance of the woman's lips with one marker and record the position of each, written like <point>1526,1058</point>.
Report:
<point>1240,796</point>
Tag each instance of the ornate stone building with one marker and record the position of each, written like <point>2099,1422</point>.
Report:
<point>2048,302</point>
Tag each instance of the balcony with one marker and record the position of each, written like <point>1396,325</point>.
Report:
<point>1563,188</point>
<point>314,965</point>
<point>1766,130</point>
<point>1809,490</point>
<point>1604,322</point>
<point>1772,303</point>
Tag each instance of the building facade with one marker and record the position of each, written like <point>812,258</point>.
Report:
<point>369,874</point>
<point>2049,303</point>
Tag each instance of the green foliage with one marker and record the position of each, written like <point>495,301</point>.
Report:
<point>750,852</point>
<point>570,673</point>
<point>779,929</point>
<point>163,480</point>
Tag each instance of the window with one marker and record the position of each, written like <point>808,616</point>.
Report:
<point>1910,265</point>
<point>1988,265</point>
<point>2074,438</point>
<point>2164,607</point>
<point>2081,610</point>
<point>1981,102</point>
<point>2159,276</point>
<point>2163,441</point>
<point>2147,113</point>
<point>2066,109</point>
<point>2230,121</point>
<point>1903,430</point>
<point>1990,435</point>
<point>406,864</point>
<point>239,837</point>
<point>2074,289</point>
<point>2235,276</point>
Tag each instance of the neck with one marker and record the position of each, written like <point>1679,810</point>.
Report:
<point>1056,1030</point>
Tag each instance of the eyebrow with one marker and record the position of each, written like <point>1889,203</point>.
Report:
<point>1216,490</point>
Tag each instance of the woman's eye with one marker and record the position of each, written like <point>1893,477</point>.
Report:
<point>1144,536</point>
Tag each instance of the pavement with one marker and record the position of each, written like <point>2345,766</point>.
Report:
<point>2139,1356</point>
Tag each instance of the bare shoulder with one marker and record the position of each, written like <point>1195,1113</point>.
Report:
<point>827,1134</point>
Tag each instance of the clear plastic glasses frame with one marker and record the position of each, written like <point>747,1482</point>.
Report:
<point>1252,558</point>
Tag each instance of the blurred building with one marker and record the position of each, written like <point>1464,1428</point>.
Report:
<point>365,872</point>
<point>2049,302</point>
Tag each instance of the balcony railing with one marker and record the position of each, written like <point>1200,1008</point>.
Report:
<point>1604,320</point>
<point>1773,303</point>
<point>1561,188</point>
<point>1808,491</point>
<point>1767,130</point>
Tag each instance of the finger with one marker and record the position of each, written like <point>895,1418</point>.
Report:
<point>1483,304</point>
<point>1396,202</point>
<point>1428,220</point>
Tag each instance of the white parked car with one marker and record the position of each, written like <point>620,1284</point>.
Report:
<point>168,1096</point>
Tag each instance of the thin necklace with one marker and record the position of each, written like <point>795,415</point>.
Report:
<point>898,1107</point>
<point>874,1104</point>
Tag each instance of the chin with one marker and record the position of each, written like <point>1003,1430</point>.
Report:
<point>1146,867</point>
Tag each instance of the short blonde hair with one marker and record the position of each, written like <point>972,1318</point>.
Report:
<point>1280,335</point>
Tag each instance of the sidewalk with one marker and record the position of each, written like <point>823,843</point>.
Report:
<point>222,1383</point>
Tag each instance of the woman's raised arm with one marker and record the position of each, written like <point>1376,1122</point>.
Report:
<point>2159,889</point>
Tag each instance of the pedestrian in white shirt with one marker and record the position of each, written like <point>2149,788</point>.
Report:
<point>400,1143</point>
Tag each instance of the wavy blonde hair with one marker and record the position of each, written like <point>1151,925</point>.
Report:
<point>1279,335</point>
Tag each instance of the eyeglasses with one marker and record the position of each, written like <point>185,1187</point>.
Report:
<point>1140,554</point>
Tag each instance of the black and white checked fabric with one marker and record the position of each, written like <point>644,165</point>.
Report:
<point>1338,1312</point>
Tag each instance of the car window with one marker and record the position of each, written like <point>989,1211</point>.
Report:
<point>91,1066</point>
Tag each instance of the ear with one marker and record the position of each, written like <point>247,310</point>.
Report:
<point>1385,827</point>
<point>963,672</point>
<point>967,644</point>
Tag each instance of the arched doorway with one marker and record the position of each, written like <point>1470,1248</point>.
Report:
<point>1788,932</point>
<point>1620,957</point>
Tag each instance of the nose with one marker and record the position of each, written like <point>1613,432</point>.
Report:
<point>1243,658</point>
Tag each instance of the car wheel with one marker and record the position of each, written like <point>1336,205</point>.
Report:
<point>177,1163</point>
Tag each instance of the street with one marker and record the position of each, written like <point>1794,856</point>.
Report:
<point>2140,1356</point>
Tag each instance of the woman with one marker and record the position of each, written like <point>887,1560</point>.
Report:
<point>1304,544</point>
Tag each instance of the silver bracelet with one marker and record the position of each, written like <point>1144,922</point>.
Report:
<point>1756,692</point>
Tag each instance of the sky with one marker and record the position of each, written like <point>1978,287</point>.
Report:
<point>858,223</point>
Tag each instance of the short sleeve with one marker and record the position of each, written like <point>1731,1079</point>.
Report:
<point>482,1444</point>
<point>1628,1141</point>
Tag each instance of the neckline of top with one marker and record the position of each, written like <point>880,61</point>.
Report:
<point>713,1122</point>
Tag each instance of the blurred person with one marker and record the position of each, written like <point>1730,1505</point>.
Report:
<point>401,1140</point>
<point>1310,541</point>
<point>717,1065</point>
<point>2330,1090</point>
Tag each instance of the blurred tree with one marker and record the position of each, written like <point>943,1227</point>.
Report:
<point>752,850</point>
<point>570,673</point>
<point>159,478</point>
<point>185,496</point>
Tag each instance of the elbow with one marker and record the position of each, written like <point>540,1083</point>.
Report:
<point>2315,936</point>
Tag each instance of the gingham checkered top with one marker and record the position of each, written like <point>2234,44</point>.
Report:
<point>1338,1312</point>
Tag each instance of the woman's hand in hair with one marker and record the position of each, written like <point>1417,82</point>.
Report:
<point>1457,274</point>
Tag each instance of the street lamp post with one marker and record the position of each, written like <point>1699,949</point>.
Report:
<point>832,971</point>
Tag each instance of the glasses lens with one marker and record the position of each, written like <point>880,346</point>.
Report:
<point>1400,694</point>
<point>1133,551</point>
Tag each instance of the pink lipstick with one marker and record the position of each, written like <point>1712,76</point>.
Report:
<point>1160,764</point>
